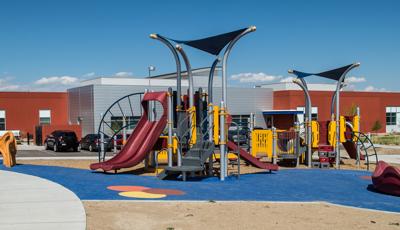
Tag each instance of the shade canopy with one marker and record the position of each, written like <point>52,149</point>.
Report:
<point>334,74</point>
<point>212,45</point>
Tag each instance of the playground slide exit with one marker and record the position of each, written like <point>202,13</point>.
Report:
<point>250,159</point>
<point>142,139</point>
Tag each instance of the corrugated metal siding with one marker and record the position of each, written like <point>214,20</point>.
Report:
<point>81,105</point>
<point>98,98</point>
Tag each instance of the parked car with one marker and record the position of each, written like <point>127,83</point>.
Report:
<point>91,142</point>
<point>120,140</point>
<point>62,140</point>
<point>243,134</point>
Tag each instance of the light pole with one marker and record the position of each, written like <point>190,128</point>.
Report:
<point>151,68</point>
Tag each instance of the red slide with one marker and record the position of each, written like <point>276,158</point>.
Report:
<point>252,160</point>
<point>350,146</point>
<point>142,139</point>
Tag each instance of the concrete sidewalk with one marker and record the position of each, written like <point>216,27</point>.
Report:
<point>29,202</point>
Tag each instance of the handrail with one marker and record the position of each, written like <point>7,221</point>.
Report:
<point>102,121</point>
<point>237,146</point>
<point>365,149</point>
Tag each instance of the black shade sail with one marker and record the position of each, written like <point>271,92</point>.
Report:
<point>212,45</point>
<point>334,74</point>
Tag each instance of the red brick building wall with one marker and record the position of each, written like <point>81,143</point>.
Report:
<point>372,104</point>
<point>22,109</point>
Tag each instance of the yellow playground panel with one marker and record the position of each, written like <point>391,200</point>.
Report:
<point>216,124</point>
<point>356,126</point>
<point>315,134</point>
<point>8,148</point>
<point>261,143</point>
<point>162,155</point>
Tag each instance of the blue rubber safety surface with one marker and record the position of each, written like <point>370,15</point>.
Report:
<point>343,187</point>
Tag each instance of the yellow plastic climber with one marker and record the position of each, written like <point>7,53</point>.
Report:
<point>8,149</point>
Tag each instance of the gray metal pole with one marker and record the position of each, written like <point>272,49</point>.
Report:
<point>357,145</point>
<point>170,124</point>
<point>225,60</point>
<point>333,101</point>
<point>338,87</point>
<point>178,67</point>
<point>222,146</point>
<point>274,142</point>
<point>305,97</point>
<point>102,140</point>
<point>308,119</point>
<point>191,87</point>
<point>210,101</point>
<point>211,80</point>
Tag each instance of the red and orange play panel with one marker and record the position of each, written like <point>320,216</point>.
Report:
<point>144,192</point>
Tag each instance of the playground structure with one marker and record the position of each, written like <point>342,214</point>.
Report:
<point>8,149</point>
<point>196,128</point>
<point>190,132</point>
<point>325,136</point>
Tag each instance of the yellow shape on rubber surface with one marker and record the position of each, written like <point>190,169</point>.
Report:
<point>145,195</point>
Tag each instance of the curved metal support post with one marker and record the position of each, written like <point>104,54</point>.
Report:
<point>305,97</point>
<point>337,118</point>
<point>211,79</point>
<point>178,66</point>
<point>170,126</point>
<point>334,99</point>
<point>308,119</point>
<point>191,89</point>
<point>225,60</point>
<point>210,100</point>
<point>189,73</point>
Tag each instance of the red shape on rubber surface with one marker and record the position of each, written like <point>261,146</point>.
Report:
<point>164,191</point>
<point>127,188</point>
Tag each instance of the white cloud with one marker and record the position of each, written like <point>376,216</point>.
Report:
<point>353,79</point>
<point>10,87</point>
<point>254,77</point>
<point>123,74</point>
<point>371,88</point>
<point>7,85</point>
<point>63,80</point>
<point>287,79</point>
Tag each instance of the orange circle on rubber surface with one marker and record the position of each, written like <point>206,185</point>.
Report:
<point>144,195</point>
<point>125,188</point>
<point>164,191</point>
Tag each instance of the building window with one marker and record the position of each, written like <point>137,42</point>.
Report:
<point>314,113</point>
<point>241,120</point>
<point>392,113</point>
<point>117,122</point>
<point>44,117</point>
<point>2,120</point>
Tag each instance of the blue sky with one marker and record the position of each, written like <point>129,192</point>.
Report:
<point>51,45</point>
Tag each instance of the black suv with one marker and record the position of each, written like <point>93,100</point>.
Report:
<point>62,140</point>
<point>91,142</point>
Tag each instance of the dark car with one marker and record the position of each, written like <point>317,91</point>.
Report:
<point>120,140</point>
<point>91,142</point>
<point>243,134</point>
<point>62,140</point>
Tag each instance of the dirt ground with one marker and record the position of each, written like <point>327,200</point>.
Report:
<point>233,215</point>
